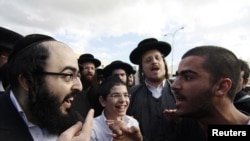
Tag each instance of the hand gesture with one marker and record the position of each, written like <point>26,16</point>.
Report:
<point>79,132</point>
<point>123,133</point>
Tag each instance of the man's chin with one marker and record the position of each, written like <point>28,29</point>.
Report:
<point>89,78</point>
<point>67,120</point>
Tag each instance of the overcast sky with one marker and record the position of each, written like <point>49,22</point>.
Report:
<point>111,29</point>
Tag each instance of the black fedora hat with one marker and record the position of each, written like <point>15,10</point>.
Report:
<point>149,44</point>
<point>8,38</point>
<point>107,71</point>
<point>89,58</point>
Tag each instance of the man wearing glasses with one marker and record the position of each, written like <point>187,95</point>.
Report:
<point>44,78</point>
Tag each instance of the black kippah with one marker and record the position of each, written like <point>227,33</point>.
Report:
<point>26,42</point>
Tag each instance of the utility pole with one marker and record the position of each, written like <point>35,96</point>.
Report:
<point>172,50</point>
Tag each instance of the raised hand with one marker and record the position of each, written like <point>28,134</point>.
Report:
<point>79,132</point>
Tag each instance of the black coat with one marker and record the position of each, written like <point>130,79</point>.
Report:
<point>154,125</point>
<point>242,102</point>
<point>12,126</point>
<point>86,100</point>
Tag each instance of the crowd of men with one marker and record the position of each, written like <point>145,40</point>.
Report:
<point>50,94</point>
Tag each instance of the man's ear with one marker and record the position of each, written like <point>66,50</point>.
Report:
<point>23,82</point>
<point>223,86</point>
<point>102,101</point>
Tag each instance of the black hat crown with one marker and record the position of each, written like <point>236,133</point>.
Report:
<point>107,71</point>
<point>149,44</point>
<point>89,58</point>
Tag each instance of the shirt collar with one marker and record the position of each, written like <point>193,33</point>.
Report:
<point>20,110</point>
<point>160,85</point>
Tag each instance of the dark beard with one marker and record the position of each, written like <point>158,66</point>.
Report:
<point>87,83</point>
<point>202,107</point>
<point>46,111</point>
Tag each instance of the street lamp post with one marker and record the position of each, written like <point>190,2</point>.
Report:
<point>172,57</point>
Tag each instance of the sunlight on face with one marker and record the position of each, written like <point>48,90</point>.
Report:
<point>121,73</point>
<point>153,65</point>
<point>68,64</point>
<point>117,102</point>
<point>192,88</point>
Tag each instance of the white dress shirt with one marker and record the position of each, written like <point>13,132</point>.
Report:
<point>156,91</point>
<point>101,131</point>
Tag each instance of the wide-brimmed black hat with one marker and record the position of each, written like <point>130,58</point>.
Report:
<point>149,44</point>
<point>107,71</point>
<point>8,38</point>
<point>89,58</point>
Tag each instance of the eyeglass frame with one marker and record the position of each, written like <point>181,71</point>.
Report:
<point>119,95</point>
<point>73,76</point>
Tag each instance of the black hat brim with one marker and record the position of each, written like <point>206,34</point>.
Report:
<point>8,38</point>
<point>136,54</point>
<point>96,62</point>
<point>107,71</point>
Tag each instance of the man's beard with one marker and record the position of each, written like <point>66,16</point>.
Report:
<point>87,82</point>
<point>201,108</point>
<point>46,110</point>
<point>88,77</point>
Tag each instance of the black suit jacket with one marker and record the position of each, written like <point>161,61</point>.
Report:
<point>242,102</point>
<point>12,126</point>
<point>149,112</point>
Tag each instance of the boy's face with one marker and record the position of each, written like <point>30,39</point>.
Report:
<point>116,103</point>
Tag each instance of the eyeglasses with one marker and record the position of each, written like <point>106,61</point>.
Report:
<point>67,76</point>
<point>118,95</point>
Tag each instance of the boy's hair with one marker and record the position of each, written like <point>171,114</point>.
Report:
<point>108,84</point>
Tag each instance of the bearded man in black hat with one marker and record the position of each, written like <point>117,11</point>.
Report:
<point>153,94</point>
<point>88,98</point>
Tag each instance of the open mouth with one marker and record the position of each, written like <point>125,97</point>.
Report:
<point>155,68</point>
<point>68,100</point>
<point>121,107</point>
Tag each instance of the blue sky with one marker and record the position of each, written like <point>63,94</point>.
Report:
<point>111,29</point>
